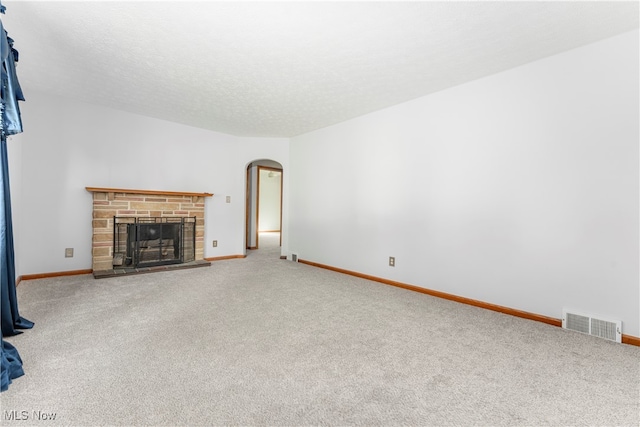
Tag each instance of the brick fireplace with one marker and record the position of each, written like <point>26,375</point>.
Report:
<point>109,203</point>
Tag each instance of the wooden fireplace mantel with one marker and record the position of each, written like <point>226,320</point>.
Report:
<point>152,192</point>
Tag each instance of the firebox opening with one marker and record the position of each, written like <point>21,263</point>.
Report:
<point>150,241</point>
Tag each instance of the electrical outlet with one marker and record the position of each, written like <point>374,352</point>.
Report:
<point>228,199</point>
<point>392,261</point>
<point>215,243</point>
<point>68,253</point>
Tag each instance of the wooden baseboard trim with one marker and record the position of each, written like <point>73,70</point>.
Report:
<point>444,295</point>
<point>631,340</point>
<point>55,274</point>
<point>283,257</point>
<point>626,339</point>
<point>220,258</point>
<point>252,248</point>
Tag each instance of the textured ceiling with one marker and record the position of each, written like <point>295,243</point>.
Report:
<point>285,68</point>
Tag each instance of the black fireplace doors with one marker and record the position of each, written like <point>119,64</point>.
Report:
<point>150,241</point>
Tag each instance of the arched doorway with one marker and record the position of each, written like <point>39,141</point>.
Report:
<point>263,203</point>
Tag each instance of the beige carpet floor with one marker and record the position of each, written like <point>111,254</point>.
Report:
<point>263,341</point>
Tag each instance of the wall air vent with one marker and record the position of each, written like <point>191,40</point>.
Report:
<point>608,329</point>
<point>294,257</point>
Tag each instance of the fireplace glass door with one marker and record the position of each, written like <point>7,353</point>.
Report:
<point>145,242</point>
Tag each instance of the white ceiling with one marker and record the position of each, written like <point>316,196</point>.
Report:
<point>285,68</point>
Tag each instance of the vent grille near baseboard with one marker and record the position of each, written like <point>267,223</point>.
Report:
<point>294,257</point>
<point>579,322</point>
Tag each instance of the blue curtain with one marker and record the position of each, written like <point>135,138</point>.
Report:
<point>11,319</point>
<point>10,124</point>
<point>10,365</point>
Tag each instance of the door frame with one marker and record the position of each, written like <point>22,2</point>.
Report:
<point>249,221</point>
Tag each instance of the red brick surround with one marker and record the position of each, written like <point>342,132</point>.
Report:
<point>110,202</point>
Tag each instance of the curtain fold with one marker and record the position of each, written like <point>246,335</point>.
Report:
<point>10,365</point>
<point>10,124</point>
<point>11,319</point>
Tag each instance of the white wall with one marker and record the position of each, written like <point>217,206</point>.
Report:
<point>14,152</point>
<point>520,189</point>
<point>68,145</point>
<point>269,203</point>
